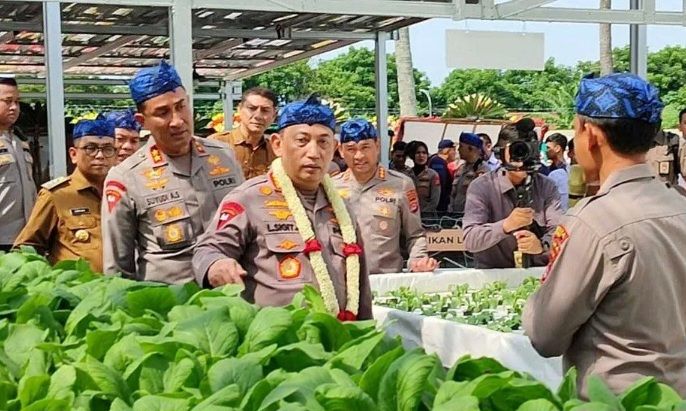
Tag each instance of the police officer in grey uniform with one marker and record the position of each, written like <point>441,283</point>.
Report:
<point>612,299</point>
<point>384,201</point>
<point>159,200</point>
<point>666,156</point>
<point>17,188</point>
<point>269,232</point>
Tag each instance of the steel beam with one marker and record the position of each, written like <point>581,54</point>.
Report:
<point>514,7</point>
<point>181,42</point>
<point>104,49</point>
<point>217,48</point>
<point>638,44</point>
<point>52,16</point>
<point>381,77</point>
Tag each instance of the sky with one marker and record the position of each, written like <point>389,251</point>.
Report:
<point>568,43</point>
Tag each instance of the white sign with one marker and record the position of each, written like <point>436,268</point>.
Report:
<point>498,50</point>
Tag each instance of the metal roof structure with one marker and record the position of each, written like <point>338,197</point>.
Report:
<point>234,39</point>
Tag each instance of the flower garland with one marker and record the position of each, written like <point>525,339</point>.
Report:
<point>313,249</point>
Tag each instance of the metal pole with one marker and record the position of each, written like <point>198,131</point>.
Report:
<point>382,95</point>
<point>57,139</point>
<point>638,41</point>
<point>428,96</point>
<point>181,41</point>
<point>227,96</point>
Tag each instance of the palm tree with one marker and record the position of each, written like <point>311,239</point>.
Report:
<point>606,63</point>
<point>406,86</point>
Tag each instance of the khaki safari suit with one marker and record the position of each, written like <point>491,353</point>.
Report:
<point>17,188</point>
<point>158,209</point>
<point>65,222</point>
<point>387,211</point>
<point>465,175</point>
<point>254,161</point>
<point>612,300</point>
<point>255,227</point>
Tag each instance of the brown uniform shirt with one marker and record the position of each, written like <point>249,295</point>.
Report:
<point>387,211</point>
<point>17,188</point>
<point>613,297</point>
<point>258,231</point>
<point>428,185</point>
<point>463,178</point>
<point>254,161</point>
<point>490,199</point>
<point>155,208</point>
<point>65,222</point>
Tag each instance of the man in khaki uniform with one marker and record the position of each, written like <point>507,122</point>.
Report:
<point>612,296</point>
<point>384,201</point>
<point>158,201</point>
<point>471,151</point>
<point>65,222</point>
<point>17,188</point>
<point>254,238</point>
<point>257,112</point>
<point>127,132</point>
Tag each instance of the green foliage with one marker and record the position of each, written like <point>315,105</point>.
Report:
<point>119,345</point>
<point>475,106</point>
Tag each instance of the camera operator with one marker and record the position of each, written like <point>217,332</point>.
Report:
<point>511,213</point>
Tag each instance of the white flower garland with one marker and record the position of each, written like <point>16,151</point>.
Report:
<point>304,226</point>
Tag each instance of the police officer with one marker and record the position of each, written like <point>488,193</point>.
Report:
<point>472,152</point>
<point>127,131</point>
<point>65,222</point>
<point>280,231</point>
<point>384,201</point>
<point>612,297</point>
<point>17,188</point>
<point>257,112</point>
<point>399,158</point>
<point>665,156</point>
<point>158,201</point>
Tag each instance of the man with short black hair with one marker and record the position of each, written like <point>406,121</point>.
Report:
<point>257,111</point>
<point>559,170</point>
<point>611,301</point>
<point>17,188</point>
<point>399,158</point>
<point>440,163</point>
<point>65,223</point>
<point>492,162</point>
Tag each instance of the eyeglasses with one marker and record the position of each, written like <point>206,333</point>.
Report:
<point>107,150</point>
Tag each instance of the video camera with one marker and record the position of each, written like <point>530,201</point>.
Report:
<point>523,147</point>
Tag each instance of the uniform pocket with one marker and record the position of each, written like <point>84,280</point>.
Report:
<point>175,235</point>
<point>80,231</point>
<point>288,251</point>
<point>385,220</point>
<point>7,173</point>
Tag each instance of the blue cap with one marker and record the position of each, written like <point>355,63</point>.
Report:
<point>471,139</point>
<point>153,81</point>
<point>356,130</point>
<point>310,111</point>
<point>100,127</point>
<point>619,96</point>
<point>446,144</point>
<point>123,119</point>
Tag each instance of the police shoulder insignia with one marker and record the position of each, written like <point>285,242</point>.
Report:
<point>56,182</point>
<point>413,200</point>
<point>227,212</point>
<point>559,238</point>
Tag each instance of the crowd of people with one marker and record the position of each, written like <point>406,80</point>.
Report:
<point>311,204</point>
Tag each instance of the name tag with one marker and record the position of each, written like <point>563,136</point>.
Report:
<point>164,198</point>
<point>281,227</point>
<point>80,211</point>
<point>223,182</point>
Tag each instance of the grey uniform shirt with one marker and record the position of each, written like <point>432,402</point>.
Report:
<point>387,212</point>
<point>17,189</point>
<point>159,208</point>
<point>613,297</point>
<point>255,227</point>
<point>490,200</point>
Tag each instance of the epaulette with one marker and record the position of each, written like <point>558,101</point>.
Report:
<point>55,182</point>
<point>25,145</point>
<point>213,143</point>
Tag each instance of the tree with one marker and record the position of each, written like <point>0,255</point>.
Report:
<point>290,82</point>
<point>406,86</point>
<point>606,65</point>
<point>349,79</point>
